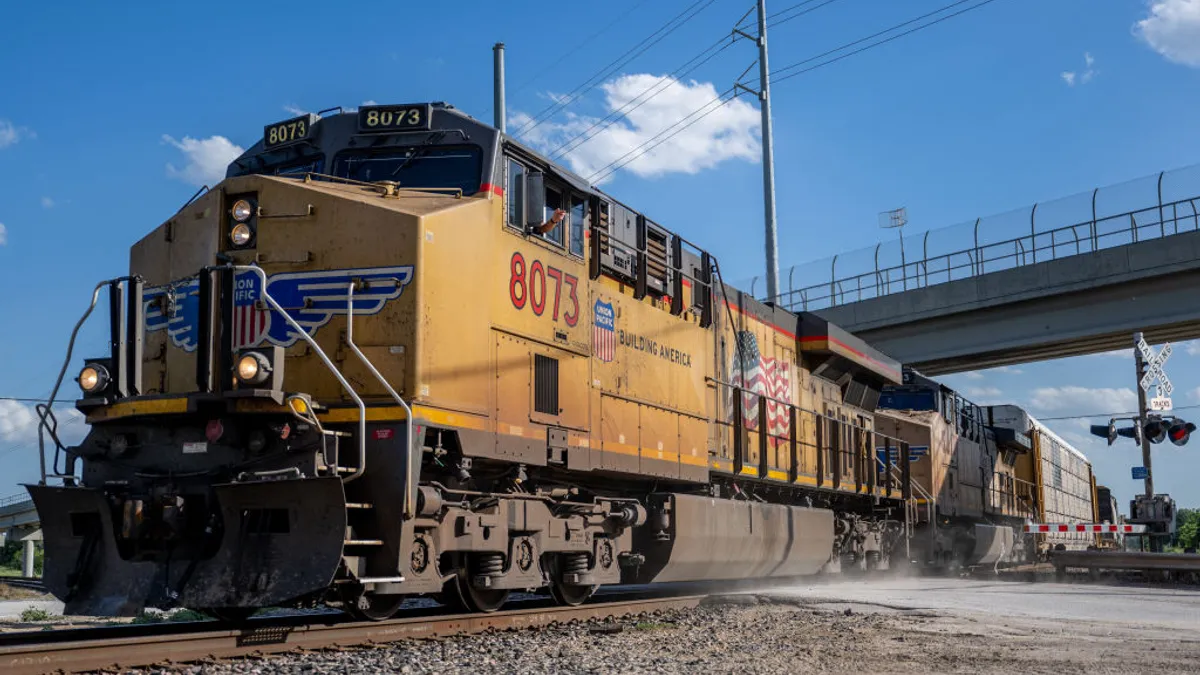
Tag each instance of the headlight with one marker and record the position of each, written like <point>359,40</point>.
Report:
<point>93,378</point>
<point>253,368</point>
<point>240,234</point>
<point>241,211</point>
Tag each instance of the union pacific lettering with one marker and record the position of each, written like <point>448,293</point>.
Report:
<point>644,344</point>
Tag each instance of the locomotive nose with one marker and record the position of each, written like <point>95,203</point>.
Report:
<point>110,556</point>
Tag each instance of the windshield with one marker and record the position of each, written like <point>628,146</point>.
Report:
<point>907,399</point>
<point>415,167</point>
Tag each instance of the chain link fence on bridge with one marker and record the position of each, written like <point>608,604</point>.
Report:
<point>1152,207</point>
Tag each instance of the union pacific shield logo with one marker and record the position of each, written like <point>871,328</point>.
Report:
<point>604,334</point>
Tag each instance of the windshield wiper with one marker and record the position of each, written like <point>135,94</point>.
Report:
<point>420,152</point>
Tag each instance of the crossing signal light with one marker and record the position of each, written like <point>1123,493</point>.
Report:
<point>1108,431</point>
<point>1134,432</point>
<point>1155,430</point>
<point>1180,431</point>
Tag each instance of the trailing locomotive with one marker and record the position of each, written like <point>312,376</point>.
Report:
<point>980,473</point>
<point>395,352</point>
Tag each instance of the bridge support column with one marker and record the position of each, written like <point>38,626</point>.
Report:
<point>27,553</point>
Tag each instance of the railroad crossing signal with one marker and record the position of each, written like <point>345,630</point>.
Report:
<point>1180,432</point>
<point>1156,430</point>
<point>1154,371</point>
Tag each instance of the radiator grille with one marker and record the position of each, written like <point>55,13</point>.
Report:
<point>545,384</point>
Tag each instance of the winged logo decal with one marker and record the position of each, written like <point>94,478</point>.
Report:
<point>311,299</point>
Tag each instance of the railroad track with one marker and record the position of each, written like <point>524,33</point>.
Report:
<point>31,583</point>
<point>130,646</point>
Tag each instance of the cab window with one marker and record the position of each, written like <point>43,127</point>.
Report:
<point>554,201</point>
<point>423,166</point>
<point>578,223</point>
<point>515,193</point>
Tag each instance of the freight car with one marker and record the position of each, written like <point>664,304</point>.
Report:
<point>396,352</point>
<point>980,473</point>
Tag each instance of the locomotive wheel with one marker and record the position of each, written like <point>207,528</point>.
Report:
<point>374,607</point>
<point>229,614</point>
<point>461,593</point>
<point>570,594</point>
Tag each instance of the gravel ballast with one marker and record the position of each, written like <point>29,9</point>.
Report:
<point>751,634</point>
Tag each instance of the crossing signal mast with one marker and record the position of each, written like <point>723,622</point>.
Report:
<point>1150,426</point>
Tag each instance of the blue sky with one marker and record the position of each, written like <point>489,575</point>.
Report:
<point>110,116</point>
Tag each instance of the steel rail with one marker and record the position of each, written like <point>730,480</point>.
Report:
<point>44,653</point>
<point>30,583</point>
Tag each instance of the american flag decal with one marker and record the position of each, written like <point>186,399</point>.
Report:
<point>759,375</point>
<point>604,333</point>
<point>251,320</point>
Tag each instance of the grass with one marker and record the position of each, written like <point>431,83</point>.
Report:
<point>651,625</point>
<point>174,616</point>
<point>15,593</point>
<point>33,614</point>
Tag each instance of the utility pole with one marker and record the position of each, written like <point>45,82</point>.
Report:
<point>768,149</point>
<point>498,115</point>
<point>1141,391</point>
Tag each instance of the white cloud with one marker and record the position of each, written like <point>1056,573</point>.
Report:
<point>3,235</point>
<point>1117,353</point>
<point>1082,400</point>
<point>47,203</point>
<point>729,131</point>
<point>370,101</point>
<point>1191,347</point>
<point>1011,370</point>
<point>1195,394</point>
<point>973,375</point>
<point>17,422</point>
<point>1071,76</point>
<point>207,159</point>
<point>10,134</point>
<point>295,110</point>
<point>984,395</point>
<point>1172,28</point>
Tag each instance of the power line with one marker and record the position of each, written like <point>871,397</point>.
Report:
<point>860,50</point>
<point>650,143</point>
<point>30,444</point>
<point>661,86</point>
<point>638,101</point>
<point>775,15</point>
<point>574,48</point>
<point>655,141</point>
<point>19,399</point>
<point>632,53</point>
<point>1108,415</point>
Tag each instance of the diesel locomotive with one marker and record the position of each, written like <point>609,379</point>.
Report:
<point>980,473</point>
<point>397,352</point>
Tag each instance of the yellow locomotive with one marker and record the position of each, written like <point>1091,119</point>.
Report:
<point>396,352</point>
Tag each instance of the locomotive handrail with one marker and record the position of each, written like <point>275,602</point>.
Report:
<point>409,507</point>
<point>45,411</point>
<point>362,408</point>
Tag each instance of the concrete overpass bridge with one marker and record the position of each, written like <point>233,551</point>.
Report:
<point>19,522</point>
<point>1084,275</point>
